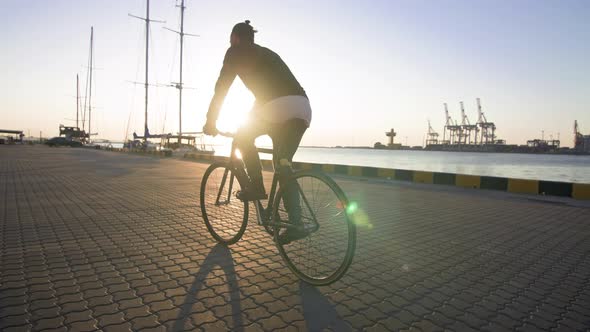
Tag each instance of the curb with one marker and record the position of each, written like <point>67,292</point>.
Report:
<point>579,191</point>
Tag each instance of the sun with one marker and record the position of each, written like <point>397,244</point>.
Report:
<point>236,107</point>
<point>234,113</point>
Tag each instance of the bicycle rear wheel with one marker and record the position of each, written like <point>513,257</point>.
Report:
<point>325,254</point>
<point>225,216</point>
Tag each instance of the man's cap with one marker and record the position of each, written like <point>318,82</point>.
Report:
<point>244,30</point>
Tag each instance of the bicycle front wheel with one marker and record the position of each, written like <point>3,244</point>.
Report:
<point>314,204</point>
<point>225,215</point>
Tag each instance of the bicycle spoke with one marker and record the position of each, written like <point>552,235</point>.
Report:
<point>304,197</point>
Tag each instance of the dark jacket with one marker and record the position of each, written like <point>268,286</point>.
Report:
<point>261,70</point>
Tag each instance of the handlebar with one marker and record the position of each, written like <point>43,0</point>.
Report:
<point>232,135</point>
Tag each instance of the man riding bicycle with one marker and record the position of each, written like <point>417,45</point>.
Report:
<point>281,111</point>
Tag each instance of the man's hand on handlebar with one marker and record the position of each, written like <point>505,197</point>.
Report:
<point>210,129</point>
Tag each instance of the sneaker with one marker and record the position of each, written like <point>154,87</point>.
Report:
<point>292,234</point>
<point>250,194</point>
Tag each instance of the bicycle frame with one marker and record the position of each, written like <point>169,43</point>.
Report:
<point>263,214</point>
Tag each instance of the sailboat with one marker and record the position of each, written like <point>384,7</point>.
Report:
<point>190,137</point>
<point>142,141</point>
<point>75,133</point>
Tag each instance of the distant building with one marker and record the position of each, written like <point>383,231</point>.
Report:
<point>581,142</point>
<point>584,145</point>
<point>379,145</point>
<point>11,136</point>
<point>391,145</point>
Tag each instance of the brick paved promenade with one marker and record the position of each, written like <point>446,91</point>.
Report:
<point>99,240</point>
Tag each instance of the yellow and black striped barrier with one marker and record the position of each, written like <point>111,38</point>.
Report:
<point>534,187</point>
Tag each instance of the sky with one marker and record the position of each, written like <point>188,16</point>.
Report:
<point>367,66</point>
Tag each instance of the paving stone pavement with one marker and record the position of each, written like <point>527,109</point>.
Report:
<point>93,240</point>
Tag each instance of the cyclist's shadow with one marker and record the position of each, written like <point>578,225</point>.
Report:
<point>220,256</point>
<point>318,312</point>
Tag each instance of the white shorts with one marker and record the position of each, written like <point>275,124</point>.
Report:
<point>283,109</point>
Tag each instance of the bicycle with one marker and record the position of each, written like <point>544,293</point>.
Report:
<point>323,216</point>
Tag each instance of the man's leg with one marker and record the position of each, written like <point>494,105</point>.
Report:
<point>245,138</point>
<point>286,141</point>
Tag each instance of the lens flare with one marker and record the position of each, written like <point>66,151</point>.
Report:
<point>359,217</point>
<point>352,207</point>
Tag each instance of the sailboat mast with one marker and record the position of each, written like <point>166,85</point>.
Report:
<point>90,89</point>
<point>182,7</point>
<point>77,100</point>
<point>147,42</point>
<point>180,85</point>
<point>147,46</point>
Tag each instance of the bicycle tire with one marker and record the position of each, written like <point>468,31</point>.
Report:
<point>335,232</point>
<point>222,219</point>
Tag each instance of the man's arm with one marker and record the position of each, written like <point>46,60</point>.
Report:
<point>225,80</point>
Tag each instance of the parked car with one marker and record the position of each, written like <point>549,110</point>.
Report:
<point>62,141</point>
